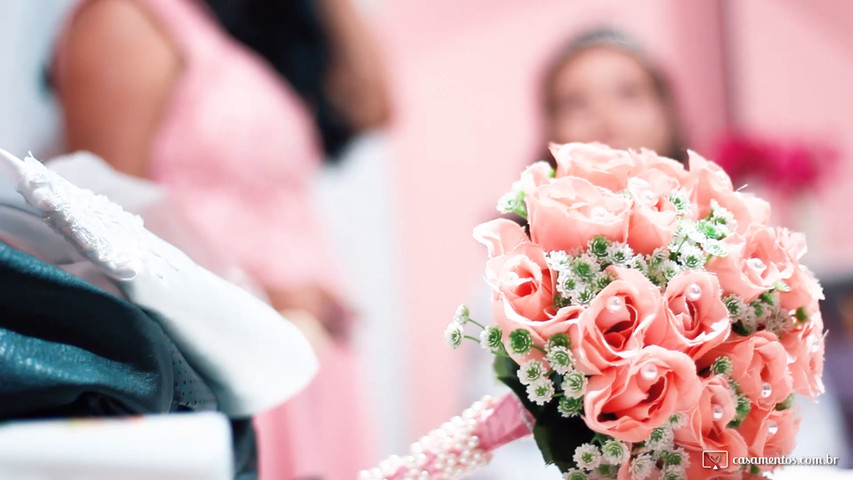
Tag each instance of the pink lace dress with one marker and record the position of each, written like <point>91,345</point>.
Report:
<point>238,153</point>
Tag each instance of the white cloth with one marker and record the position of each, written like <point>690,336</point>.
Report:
<point>252,358</point>
<point>188,446</point>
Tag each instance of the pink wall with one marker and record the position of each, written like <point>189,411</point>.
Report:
<point>793,70</point>
<point>466,74</point>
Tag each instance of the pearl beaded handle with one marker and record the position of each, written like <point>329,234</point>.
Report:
<point>461,445</point>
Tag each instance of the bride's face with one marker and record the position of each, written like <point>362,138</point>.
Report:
<point>603,94</point>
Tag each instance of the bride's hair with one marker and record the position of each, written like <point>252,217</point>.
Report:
<point>611,37</point>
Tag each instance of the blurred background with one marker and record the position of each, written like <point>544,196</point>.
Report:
<point>465,82</point>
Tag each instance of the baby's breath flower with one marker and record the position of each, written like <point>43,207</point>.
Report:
<point>722,366</point>
<point>669,269</point>
<point>531,371</point>
<point>711,230</point>
<point>680,200</point>
<point>560,359</point>
<point>586,267</point>
<point>570,407</point>
<point>674,457</point>
<point>490,338</point>
<point>691,231</point>
<point>558,260</point>
<point>676,420</point>
<point>453,334</point>
<point>714,248</point>
<point>642,467</point>
<point>721,214</point>
<point>661,438</point>
<point>575,474</point>
<point>587,456</point>
<point>778,321</point>
<point>567,282</point>
<point>639,262</point>
<point>462,315</point>
<point>541,391</point>
<point>742,408</point>
<point>559,340</point>
<point>607,471</point>
<point>615,452</point>
<point>513,201</point>
<point>583,296</point>
<point>602,280</point>
<point>520,341</point>
<point>599,247</point>
<point>619,253</point>
<point>691,256</point>
<point>574,384</point>
<point>673,472</point>
<point>735,305</point>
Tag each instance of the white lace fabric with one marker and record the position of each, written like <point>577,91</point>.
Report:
<point>252,357</point>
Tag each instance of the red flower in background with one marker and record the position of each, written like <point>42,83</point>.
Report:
<point>792,166</point>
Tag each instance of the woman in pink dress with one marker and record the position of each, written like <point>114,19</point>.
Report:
<point>161,91</point>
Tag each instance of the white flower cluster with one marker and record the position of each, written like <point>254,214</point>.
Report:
<point>541,388</point>
<point>695,239</point>
<point>765,312</point>
<point>580,277</point>
<point>598,461</point>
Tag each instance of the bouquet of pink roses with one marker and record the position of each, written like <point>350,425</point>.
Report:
<point>644,314</point>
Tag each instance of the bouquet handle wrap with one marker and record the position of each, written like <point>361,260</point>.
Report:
<point>462,444</point>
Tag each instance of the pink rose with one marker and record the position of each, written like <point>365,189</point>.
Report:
<point>651,161</point>
<point>759,366</point>
<point>754,265</point>
<point>629,401</point>
<point>509,320</point>
<point>499,236</point>
<point>770,432</point>
<point>597,163</point>
<point>653,216</point>
<point>612,328</point>
<point>803,287</point>
<point>696,319</point>
<point>805,348</point>
<point>566,213</point>
<point>523,279</point>
<point>536,174</point>
<point>707,181</point>
<point>707,423</point>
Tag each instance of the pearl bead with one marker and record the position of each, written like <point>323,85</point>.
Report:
<point>649,197</point>
<point>598,213</point>
<point>364,475</point>
<point>649,371</point>
<point>694,292</point>
<point>766,390</point>
<point>615,304</point>
<point>756,264</point>
<point>718,412</point>
<point>772,427</point>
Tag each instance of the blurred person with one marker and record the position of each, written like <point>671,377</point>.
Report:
<point>603,88</point>
<point>230,105</point>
